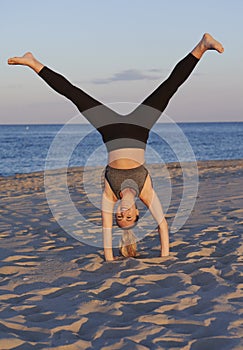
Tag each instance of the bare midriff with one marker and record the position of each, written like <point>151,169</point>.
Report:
<point>126,158</point>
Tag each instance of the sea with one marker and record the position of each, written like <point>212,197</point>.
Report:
<point>32,148</point>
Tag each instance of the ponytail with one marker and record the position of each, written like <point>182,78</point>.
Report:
<point>128,245</point>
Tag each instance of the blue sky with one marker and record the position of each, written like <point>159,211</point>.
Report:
<point>119,51</point>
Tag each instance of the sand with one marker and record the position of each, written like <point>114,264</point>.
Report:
<point>58,293</point>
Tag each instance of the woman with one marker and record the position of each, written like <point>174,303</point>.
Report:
<point>126,177</point>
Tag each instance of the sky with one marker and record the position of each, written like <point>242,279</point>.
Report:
<point>119,51</point>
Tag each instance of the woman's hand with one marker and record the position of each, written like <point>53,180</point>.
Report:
<point>115,258</point>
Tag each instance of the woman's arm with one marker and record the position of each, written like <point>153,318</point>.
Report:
<point>149,197</point>
<point>108,203</point>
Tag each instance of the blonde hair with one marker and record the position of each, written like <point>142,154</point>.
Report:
<point>128,245</point>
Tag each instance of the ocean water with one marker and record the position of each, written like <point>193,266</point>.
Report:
<point>30,148</point>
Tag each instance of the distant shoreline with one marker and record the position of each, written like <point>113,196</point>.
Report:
<point>87,123</point>
<point>201,165</point>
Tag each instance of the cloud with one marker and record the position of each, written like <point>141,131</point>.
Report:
<point>130,75</point>
<point>133,75</point>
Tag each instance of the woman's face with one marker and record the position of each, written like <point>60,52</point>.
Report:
<point>126,217</point>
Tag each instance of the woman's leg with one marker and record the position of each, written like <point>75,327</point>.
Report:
<point>60,84</point>
<point>161,96</point>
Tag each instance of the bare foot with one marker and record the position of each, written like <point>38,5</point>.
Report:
<point>27,60</point>
<point>209,43</point>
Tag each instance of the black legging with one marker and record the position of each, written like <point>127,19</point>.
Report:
<point>133,129</point>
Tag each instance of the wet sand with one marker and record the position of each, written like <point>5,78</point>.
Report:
<point>58,293</point>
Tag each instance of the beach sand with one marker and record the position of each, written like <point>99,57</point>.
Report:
<point>58,293</point>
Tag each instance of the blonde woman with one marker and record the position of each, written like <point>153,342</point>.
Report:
<point>126,177</point>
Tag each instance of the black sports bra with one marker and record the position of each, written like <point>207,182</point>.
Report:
<point>120,179</point>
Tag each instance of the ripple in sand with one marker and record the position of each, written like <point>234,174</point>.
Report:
<point>20,257</point>
<point>215,343</point>
<point>11,270</point>
<point>10,343</point>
